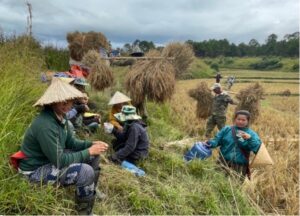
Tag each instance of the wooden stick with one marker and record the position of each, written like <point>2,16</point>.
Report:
<point>143,58</point>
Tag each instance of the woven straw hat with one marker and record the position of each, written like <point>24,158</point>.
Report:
<point>127,113</point>
<point>66,79</point>
<point>262,158</point>
<point>58,91</point>
<point>118,98</point>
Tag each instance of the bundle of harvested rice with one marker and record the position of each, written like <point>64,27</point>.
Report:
<point>153,79</point>
<point>90,58</point>
<point>101,76</point>
<point>183,54</point>
<point>249,99</point>
<point>202,94</point>
<point>82,42</point>
<point>153,53</point>
<point>286,93</point>
<point>76,47</point>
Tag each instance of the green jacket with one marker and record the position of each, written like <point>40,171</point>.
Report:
<point>45,141</point>
<point>220,104</point>
<point>228,148</point>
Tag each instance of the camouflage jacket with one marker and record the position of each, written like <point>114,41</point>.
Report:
<point>220,104</point>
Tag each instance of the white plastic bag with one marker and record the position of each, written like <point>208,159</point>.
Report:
<point>108,127</point>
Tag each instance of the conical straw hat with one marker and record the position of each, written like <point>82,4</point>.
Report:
<point>118,98</point>
<point>58,91</point>
<point>262,158</point>
<point>66,79</point>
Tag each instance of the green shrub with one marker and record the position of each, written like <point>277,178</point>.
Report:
<point>56,59</point>
<point>267,64</point>
<point>214,66</point>
<point>295,67</point>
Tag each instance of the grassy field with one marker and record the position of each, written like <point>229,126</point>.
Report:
<point>246,74</point>
<point>275,189</point>
<point>288,64</point>
<point>170,186</point>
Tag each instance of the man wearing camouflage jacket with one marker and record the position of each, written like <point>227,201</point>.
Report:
<point>219,109</point>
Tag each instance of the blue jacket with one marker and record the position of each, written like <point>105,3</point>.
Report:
<point>228,148</point>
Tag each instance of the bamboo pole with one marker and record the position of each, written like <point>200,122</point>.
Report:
<point>143,58</point>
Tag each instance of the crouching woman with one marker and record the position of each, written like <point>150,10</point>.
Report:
<point>53,155</point>
<point>236,142</point>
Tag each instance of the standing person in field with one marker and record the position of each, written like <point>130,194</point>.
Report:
<point>50,153</point>
<point>219,109</point>
<point>236,142</point>
<point>230,81</point>
<point>218,77</point>
<point>117,102</point>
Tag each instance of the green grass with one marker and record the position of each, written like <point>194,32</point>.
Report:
<point>19,88</point>
<point>170,186</point>
<point>199,69</point>
<point>246,62</point>
<point>254,74</point>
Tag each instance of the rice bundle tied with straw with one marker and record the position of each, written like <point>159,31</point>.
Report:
<point>90,58</point>
<point>101,76</point>
<point>183,54</point>
<point>153,79</point>
<point>81,42</point>
<point>202,94</point>
<point>249,99</point>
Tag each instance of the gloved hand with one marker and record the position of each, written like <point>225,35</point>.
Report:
<point>113,158</point>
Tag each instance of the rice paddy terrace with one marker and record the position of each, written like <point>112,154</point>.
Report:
<point>275,188</point>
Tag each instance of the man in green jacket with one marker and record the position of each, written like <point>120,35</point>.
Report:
<point>53,155</point>
<point>219,109</point>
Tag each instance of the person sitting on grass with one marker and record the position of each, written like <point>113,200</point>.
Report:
<point>236,142</point>
<point>117,102</point>
<point>52,155</point>
<point>78,116</point>
<point>132,144</point>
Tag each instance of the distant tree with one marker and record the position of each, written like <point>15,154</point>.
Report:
<point>253,47</point>
<point>146,45</point>
<point>127,48</point>
<point>242,49</point>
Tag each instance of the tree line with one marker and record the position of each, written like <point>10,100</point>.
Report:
<point>287,47</point>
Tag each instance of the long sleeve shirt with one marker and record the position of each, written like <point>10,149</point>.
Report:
<point>229,149</point>
<point>45,141</point>
<point>135,140</point>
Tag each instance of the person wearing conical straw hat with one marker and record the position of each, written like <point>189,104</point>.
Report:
<point>236,142</point>
<point>132,143</point>
<point>78,115</point>
<point>117,102</point>
<point>53,155</point>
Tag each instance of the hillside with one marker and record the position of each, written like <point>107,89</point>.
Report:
<point>170,186</point>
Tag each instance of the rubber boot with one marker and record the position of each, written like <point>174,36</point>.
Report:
<point>84,205</point>
<point>99,194</point>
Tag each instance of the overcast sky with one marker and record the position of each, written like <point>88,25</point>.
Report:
<point>160,21</point>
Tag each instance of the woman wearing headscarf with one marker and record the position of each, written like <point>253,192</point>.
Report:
<point>236,142</point>
<point>52,155</point>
